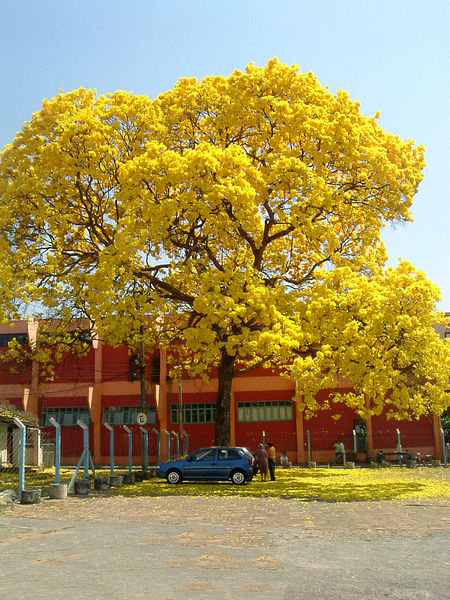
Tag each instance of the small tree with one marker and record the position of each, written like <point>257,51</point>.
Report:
<point>247,211</point>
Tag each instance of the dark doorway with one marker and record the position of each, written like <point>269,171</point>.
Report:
<point>10,444</point>
<point>359,425</point>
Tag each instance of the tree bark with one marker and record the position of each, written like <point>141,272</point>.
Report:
<point>222,436</point>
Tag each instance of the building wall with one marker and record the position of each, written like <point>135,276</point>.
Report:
<point>413,434</point>
<point>326,427</point>
<point>282,433</point>
<point>101,379</point>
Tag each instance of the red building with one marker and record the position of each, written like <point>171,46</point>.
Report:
<point>96,388</point>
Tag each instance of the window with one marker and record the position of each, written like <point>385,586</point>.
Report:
<point>265,411</point>
<point>21,338</point>
<point>228,454</point>
<point>127,415</point>
<point>67,415</point>
<point>204,455</point>
<point>195,412</point>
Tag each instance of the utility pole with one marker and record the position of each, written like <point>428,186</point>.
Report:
<point>143,393</point>
<point>180,398</point>
<point>142,370</point>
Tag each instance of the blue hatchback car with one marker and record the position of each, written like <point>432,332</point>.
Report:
<point>233,463</point>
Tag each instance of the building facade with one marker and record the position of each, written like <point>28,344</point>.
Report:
<point>97,389</point>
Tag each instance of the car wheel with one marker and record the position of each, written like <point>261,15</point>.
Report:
<point>238,477</point>
<point>174,476</point>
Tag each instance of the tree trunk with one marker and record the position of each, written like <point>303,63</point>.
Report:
<point>222,435</point>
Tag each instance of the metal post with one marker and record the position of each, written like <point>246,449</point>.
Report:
<point>144,449</point>
<point>72,480</point>
<point>158,446</point>
<point>444,449</point>
<point>186,442</point>
<point>168,444</point>
<point>399,447</point>
<point>354,443</point>
<point>22,444</point>
<point>92,466</point>
<point>178,443</point>
<point>344,461</point>
<point>111,448</point>
<point>308,437</point>
<point>85,428</point>
<point>130,447</point>
<point>57,427</point>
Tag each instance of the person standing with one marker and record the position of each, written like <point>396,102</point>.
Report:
<point>362,440</point>
<point>338,450</point>
<point>271,459</point>
<point>261,459</point>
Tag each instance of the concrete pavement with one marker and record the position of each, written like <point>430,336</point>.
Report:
<point>184,548</point>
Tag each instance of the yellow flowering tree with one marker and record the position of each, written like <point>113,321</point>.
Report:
<point>377,333</point>
<point>241,215</point>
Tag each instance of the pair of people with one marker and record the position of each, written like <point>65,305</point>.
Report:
<point>339,450</point>
<point>266,461</point>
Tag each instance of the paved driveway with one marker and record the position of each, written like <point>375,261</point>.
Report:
<point>184,548</point>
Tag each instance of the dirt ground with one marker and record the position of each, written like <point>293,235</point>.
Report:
<point>417,518</point>
<point>187,548</point>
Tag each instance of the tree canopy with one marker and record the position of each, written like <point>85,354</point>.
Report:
<point>241,215</point>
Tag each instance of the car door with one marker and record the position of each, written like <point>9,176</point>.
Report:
<point>227,460</point>
<point>202,464</point>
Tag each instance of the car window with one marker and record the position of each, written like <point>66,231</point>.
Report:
<point>228,454</point>
<point>204,455</point>
<point>247,452</point>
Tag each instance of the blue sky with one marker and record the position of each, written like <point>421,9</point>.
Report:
<point>392,55</point>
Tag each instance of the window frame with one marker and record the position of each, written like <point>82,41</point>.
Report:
<point>194,413</point>
<point>127,414</point>
<point>264,411</point>
<point>66,416</point>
